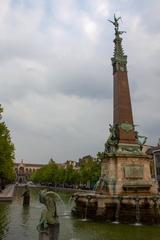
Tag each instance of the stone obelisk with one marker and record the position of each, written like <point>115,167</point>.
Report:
<point>122,115</point>
<point>123,137</point>
<point>125,168</point>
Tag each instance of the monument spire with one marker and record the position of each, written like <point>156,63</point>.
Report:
<point>123,126</point>
<point>119,60</point>
<point>122,113</point>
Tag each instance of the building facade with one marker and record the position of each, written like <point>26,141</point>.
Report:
<point>24,170</point>
<point>155,153</point>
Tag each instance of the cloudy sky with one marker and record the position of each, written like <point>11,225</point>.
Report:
<point>56,73</point>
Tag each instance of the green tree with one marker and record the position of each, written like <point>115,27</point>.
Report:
<point>71,176</point>
<point>60,176</point>
<point>46,174</point>
<point>89,170</point>
<point>51,173</point>
<point>7,173</point>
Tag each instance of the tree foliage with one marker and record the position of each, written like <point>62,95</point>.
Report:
<point>6,152</point>
<point>89,170</point>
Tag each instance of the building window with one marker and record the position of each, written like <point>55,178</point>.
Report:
<point>21,169</point>
<point>158,171</point>
<point>157,157</point>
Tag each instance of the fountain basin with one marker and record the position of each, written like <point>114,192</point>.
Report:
<point>120,208</point>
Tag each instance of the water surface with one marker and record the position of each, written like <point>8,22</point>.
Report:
<point>19,223</point>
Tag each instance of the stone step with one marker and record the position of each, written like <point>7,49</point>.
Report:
<point>7,193</point>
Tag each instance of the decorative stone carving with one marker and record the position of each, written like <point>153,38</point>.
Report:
<point>101,155</point>
<point>141,140</point>
<point>102,184</point>
<point>126,126</point>
<point>129,149</point>
<point>133,171</point>
<point>111,144</point>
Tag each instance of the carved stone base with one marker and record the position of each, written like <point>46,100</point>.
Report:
<point>133,149</point>
<point>127,173</point>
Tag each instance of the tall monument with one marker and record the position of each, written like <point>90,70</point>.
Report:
<point>124,165</point>
<point>122,132</point>
<point>126,190</point>
<point>122,102</point>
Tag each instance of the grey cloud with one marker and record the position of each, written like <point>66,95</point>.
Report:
<point>56,74</point>
<point>83,82</point>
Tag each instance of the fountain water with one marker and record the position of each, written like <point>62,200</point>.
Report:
<point>156,208</point>
<point>85,212</point>
<point>11,219</point>
<point>85,205</point>
<point>137,211</point>
<point>119,201</point>
<point>67,212</point>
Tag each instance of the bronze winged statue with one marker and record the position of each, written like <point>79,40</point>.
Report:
<point>48,226</point>
<point>115,23</point>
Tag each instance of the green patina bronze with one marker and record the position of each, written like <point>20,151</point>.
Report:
<point>49,214</point>
<point>111,144</point>
<point>129,149</point>
<point>119,60</point>
<point>141,140</point>
<point>101,155</point>
<point>126,127</point>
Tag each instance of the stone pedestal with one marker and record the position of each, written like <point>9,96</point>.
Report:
<point>129,174</point>
<point>51,234</point>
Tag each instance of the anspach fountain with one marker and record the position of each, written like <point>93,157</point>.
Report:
<point>126,192</point>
